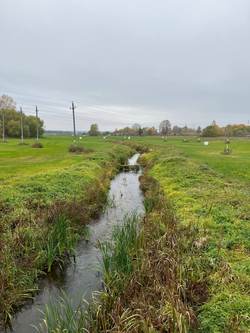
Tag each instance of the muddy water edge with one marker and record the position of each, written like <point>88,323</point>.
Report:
<point>77,278</point>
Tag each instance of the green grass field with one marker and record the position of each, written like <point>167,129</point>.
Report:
<point>24,161</point>
<point>206,197</point>
<point>21,161</point>
<point>234,166</point>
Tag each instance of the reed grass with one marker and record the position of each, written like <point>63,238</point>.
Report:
<point>60,316</point>
<point>117,265</point>
<point>119,254</point>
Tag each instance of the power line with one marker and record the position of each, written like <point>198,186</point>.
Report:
<point>90,105</point>
<point>84,107</point>
<point>12,92</point>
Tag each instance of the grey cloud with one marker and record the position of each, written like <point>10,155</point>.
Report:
<point>187,61</point>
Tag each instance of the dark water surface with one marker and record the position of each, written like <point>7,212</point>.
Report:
<point>77,278</point>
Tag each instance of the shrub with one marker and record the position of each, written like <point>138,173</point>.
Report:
<point>123,159</point>
<point>37,145</point>
<point>23,144</point>
<point>80,149</point>
<point>227,151</point>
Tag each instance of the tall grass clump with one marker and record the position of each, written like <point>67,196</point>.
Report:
<point>123,159</point>
<point>62,317</point>
<point>119,254</point>
<point>60,241</point>
<point>80,149</point>
<point>117,263</point>
<point>37,145</point>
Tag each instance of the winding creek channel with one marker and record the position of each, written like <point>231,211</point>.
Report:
<point>77,278</point>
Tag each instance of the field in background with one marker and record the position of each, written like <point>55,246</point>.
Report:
<point>21,161</point>
<point>235,166</point>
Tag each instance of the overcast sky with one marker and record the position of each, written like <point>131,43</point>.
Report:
<point>127,61</point>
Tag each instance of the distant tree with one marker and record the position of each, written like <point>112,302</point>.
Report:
<point>140,131</point>
<point>31,122</point>
<point>127,130</point>
<point>175,130</point>
<point>136,126</point>
<point>198,131</point>
<point>14,128</point>
<point>150,131</point>
<point>165,127</point>
<point>240,130</point>
<point>12,120</point>
<point>94,130</point>
<point>26,131</point>
<point>212,130</point>
<point>7,102</point>
<point>230,130</point>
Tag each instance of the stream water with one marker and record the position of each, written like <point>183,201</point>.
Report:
<point>77,278</point>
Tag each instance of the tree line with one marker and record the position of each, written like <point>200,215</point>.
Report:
<point>229,130</point>
<point>165,128</point>
<point>129,131</point>
<point>12,120</point>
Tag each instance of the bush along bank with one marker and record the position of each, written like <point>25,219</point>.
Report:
<point>42,218</point>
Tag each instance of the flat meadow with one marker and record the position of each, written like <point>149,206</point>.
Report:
<point>24,161</point>
<point>235,166</point>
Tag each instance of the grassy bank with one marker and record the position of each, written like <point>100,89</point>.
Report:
<point>210,218</point>
<point>191,273</point>
<point>47,197</point>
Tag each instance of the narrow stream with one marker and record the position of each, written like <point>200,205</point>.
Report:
<point>77,278</point>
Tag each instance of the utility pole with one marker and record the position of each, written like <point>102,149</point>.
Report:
<point>3,125</point>
<point>74,123</point>
<point>37,136</point>
<point>21,112</point>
